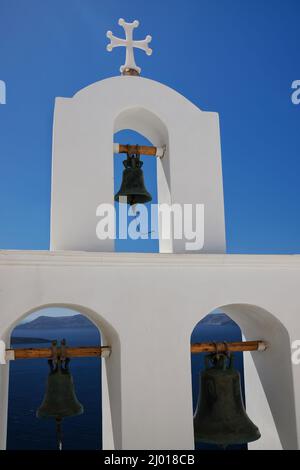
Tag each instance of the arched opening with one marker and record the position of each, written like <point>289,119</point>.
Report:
<point>140,126</point>
<point>214,327</point>
<point>267,375</point>
<point>27,382</point>
<point>143,235</point>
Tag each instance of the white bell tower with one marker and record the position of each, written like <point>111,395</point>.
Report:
<point>146,305</point>
<point>82,170</point>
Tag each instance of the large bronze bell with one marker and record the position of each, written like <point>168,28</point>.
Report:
<point>60,400</point>
<point>220,416</point>
<point>133,186</point>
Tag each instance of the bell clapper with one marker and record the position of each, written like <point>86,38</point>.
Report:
<point>58,422</point>
<point>54,354</point>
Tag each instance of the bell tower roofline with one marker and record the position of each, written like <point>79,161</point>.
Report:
<point>83,147</point>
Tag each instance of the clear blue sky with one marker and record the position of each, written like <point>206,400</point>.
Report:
<point>235,57</point>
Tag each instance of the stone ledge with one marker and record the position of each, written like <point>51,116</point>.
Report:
<point>27,257</point>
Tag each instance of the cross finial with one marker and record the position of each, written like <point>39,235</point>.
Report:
<point>130,67</point>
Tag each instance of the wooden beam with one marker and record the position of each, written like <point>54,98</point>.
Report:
<point>46,353</point>
<point>142,149</point>
<point>104,351</point>
<point>232,347</point>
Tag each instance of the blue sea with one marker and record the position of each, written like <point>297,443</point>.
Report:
<point>27,387</point>
<point>28,379</point>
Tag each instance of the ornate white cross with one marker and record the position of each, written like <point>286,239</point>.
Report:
<point>130,66</point>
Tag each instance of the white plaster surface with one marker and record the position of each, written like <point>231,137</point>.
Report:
<point>82,159</point>
<point>258,409</point>
<point>148,324</point>
<point>147,305</point>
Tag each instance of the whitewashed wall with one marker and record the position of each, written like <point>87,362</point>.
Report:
<point>82,162</point>
<point>148,323</point>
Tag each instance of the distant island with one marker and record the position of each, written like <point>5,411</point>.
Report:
<point>81,322</point>
<point>24,340</point>
<point>52,323</point>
